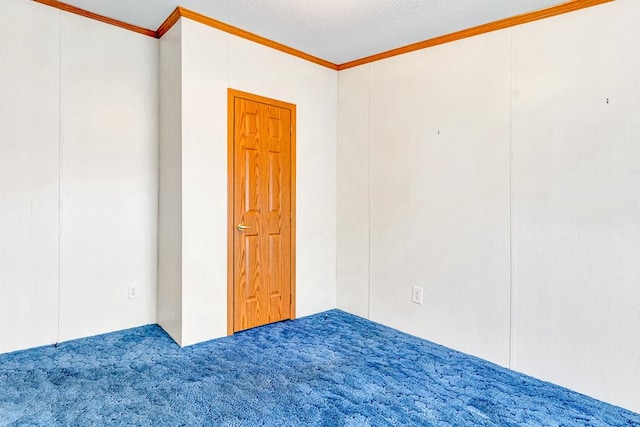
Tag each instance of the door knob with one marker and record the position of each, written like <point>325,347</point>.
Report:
<point>241,227</point>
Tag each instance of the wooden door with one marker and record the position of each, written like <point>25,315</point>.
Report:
<point>261,211</point>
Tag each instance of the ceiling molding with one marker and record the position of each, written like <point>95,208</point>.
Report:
<point>168,23</point>
<point>180,12</point>
<point>195,16</point>
<point>560,9</point>
<point>77,11</point>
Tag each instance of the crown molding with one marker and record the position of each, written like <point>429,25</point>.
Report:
<point>524,18</point>
<point>77,11</point>
<point>168,23</point>
<point>181,12</point>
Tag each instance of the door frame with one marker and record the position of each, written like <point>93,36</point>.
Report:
<point>232,94</point>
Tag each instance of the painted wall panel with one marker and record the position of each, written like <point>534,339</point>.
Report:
<point>440,194</point>
<point>29,112</point>
<point>205,74</point>
<point>109,122</point>
<point>576,162</point>
<point>443,140</point>
<point>352,244</point>
<point>169,301</point>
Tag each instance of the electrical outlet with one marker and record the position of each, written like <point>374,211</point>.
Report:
<point>133,292</point>
<point>416,295</point>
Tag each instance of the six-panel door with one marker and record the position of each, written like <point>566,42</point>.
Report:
<point>262,213</point>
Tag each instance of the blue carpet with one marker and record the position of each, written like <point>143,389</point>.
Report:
<point>330,369</point>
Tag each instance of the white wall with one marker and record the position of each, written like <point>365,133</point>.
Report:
<point>576,201</point>
<point>440,194</point>
<point>212,61</point>
<point>169,301</point>
<point>79,176</point>
<point>520,218</point>
<point>205,74</point>
<point>353,175</point>
<point>29,113</point>
<point>109,177</point>
<point>423,185</point>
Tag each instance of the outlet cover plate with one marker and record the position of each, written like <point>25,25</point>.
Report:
<point>133,292</point>
<point>416,295</point>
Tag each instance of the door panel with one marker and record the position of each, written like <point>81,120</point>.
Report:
<point>262,192</point>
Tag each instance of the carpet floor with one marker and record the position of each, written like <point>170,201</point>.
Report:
<point>329,369</point>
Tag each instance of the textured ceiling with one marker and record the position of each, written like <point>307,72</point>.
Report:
<point>335,30</point>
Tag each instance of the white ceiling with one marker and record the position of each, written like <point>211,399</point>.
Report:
<point>335,30</point>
